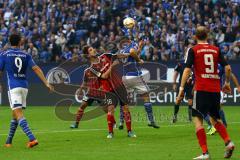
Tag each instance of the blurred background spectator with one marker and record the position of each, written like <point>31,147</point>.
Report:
<point>57,30</point>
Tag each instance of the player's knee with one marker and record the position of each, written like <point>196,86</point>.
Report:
<point>190,102</point>
<point>84,105</point>
<point>198,122</point>
<point>111,109</point>
<point>125,108</point>
<point>145,97</point>
<point>214,120</point>
<point>177,102</point>
<point>18,114</point>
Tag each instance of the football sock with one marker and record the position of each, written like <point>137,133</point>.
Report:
<point>222,132</point>
<point>223,118</point>
<point>148,109</point>
<point>202,140</point>
<point>207,119</point>
<point>127,117</point>
<point>79,115</point>
<point>13,128</point>
<point>24,125</point>
<point>121,115</point>
<point>176,109</point>
<point>190,112</point>
<point>110,120</point>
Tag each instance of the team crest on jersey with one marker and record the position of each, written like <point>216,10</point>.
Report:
<point>58,75</point>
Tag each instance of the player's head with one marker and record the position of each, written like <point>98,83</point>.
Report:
<point>201,33</point>
<point>89,51</point>
<point>111,47</point>
<point>15,39</point>
<point>124,41</point>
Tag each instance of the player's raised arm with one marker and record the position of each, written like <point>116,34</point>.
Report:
<point>40,74</point>
<point>122,55</point>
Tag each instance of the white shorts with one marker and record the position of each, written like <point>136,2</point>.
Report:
<point>17,97</point>
<point>137,83</point>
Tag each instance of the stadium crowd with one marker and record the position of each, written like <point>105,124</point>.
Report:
<point>57,30</point>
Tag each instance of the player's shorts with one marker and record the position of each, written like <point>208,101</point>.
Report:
<point>122,94</point>
<point>17,97</point>
<point>111,99</point>
<point>135,83</point>
<point>188,90</point>
<point>90,100</point>
<point>206,103</point>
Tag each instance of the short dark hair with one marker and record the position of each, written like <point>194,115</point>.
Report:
<point>85,49</point>
<point>111,47</point>
<point>15,39</point>
<point>201,33</point>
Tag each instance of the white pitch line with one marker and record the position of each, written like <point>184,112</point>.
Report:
<point>103,129</point>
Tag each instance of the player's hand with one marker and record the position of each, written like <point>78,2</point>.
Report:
<point>141,61</point>
<point>50,87</point>
<point>174,86</point>
<point>227,88</point>
<point>180,96</point>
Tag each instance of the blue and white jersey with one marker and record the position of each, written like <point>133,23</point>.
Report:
<point>221,73</point>
<point>132,68</point>
<point>15,62</point>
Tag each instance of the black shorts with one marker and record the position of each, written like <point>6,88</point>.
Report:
<point>121,92</point>
<point>188,91</point>
<point>91,100</point>
<point>206,103</point>
<point>111,99</point>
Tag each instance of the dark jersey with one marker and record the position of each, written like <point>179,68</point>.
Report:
<point>180,68</point>
<point>205,59</point>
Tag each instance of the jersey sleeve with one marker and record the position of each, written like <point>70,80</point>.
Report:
<point>222,60</point>
<point>31,62</point>
<point>190,58</point>
<point>2,63</point>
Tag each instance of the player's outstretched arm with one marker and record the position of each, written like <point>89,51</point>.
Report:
<point>107,74</point>
<point>40,74</point>
<point>121,55</point>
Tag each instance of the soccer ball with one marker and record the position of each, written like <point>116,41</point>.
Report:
<point>129,22</point>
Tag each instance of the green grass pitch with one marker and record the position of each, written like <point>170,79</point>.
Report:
<point>58,142</point>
